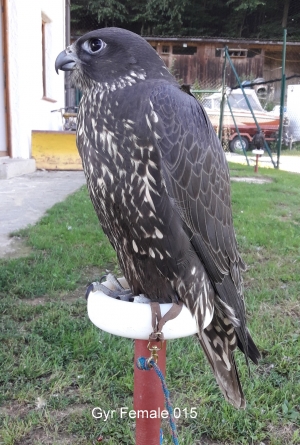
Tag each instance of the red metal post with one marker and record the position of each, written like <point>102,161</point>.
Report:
<point>148,397</point>
<point>256,164</point>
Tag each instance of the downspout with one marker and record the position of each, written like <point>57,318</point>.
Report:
<point>5,39</point>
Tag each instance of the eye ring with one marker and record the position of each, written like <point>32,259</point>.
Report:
<point>94,46</point>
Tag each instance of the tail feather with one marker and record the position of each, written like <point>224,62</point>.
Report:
<point>219,341</point>
<point>253,352</point>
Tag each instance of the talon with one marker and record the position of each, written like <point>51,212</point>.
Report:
<point>115,282</point>
<point>103,278</point>
<point>119,292</point>
<point>89,289</point>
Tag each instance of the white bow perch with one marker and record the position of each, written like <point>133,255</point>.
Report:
<point>133,320</point>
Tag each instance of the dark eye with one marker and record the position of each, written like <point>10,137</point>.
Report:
<point>95,45</point>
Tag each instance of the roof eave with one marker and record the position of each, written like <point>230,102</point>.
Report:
<point>222,40</point>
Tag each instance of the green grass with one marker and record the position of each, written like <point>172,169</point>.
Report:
<point>56,366</point>
<point>65,243</point>
<point>285,150</point>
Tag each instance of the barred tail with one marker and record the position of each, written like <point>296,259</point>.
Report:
<point>219,341</point>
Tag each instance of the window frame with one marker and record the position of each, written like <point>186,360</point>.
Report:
<point>45,95</point>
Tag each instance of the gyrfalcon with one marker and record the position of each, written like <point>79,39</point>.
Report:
<point>159,182</point>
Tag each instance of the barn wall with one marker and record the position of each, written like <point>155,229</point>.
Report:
<point>273,67</point>
<point>263,60</point>
<point>248,68</point>
<point>206,67</point>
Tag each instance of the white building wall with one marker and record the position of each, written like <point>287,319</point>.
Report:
<point>29,110</point>
<point>292,106</point>
<point>2,100</point>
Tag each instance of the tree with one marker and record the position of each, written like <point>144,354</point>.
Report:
<point>285,13</point>
<point>109,11</point>
<point>91,14</point>
<point>159,16</point>
<point>241,9</point>
<point>220,18</point>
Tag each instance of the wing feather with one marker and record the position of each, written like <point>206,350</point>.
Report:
<point>201,191</point>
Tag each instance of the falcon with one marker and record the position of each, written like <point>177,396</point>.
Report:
<point>258,140</point>
<point>159,182</point>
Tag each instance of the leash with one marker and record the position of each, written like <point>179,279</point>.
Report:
<point>146,364</point>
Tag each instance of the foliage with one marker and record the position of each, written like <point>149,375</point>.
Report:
<point>232,18</point>
<point>108,11</point>
<point>165,17</point>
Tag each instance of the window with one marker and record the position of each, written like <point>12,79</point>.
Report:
<point>165,49</point>
<point>184,50</point>
<point>219,52</point>
<point>47,60</point>
<point>253,52</point>
<point>238,101</point>
<point>237,52</point>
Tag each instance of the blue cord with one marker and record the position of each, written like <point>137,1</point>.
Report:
<point>161,437</point>
<point>145,365</point>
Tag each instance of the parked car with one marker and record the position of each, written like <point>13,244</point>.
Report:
<point>268,121</point>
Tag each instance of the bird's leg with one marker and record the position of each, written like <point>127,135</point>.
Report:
<point>117,292</point>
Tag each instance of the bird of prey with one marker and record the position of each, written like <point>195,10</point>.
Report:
<point>159,182</point>
<point>258,140</point>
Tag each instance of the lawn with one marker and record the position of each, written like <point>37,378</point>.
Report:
<point>56,366</point>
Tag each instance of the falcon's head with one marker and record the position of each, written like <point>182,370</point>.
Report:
<point>111,55</point>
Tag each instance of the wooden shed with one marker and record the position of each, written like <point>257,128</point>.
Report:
<point>201,59</point>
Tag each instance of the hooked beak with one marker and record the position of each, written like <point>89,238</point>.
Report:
<point>65,61</point>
